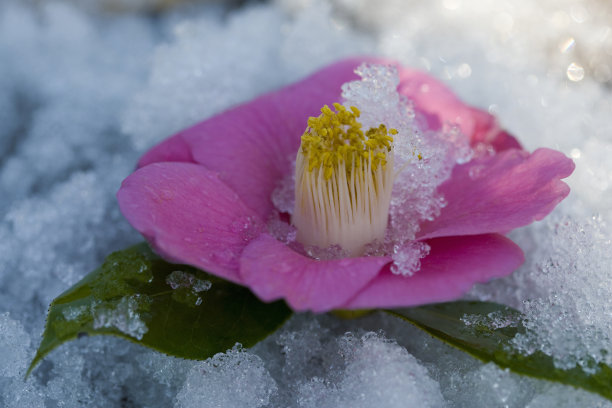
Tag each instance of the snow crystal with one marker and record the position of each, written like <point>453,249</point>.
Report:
<point>180,279</point>
<point>15,353</point>
<point>169,372</point>
<point>19,395</point>
<point>378,373</point>
<point>281,229</point>
<point>422,159</point>
<point>233,379</point>
<point>571,321</point>
<point>187,287</point>
<point>74,312</point>
<point>407,257</point>
<point>563,397</point>
<point>283,196</point>
<point>331,252</point>
<point>14,347</point>
<point>490,386</point>
<point>593,178</point>
<point>124,315</point>
<point>493,320</point>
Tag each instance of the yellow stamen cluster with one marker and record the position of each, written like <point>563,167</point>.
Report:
<point>335,138</point>
<point>343,182</point>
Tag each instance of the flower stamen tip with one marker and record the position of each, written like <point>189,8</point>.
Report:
<point>343,183</point>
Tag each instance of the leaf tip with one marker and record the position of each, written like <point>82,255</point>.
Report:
<point>37,358</point>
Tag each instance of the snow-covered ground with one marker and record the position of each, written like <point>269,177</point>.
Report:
<point>84,92</point>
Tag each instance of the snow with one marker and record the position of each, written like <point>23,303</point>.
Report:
<point>84,92</point>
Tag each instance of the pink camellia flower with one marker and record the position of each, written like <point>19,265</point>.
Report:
<point>203,197</point>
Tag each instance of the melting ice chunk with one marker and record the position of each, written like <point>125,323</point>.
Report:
<point>123,316</point>
<point>187,287</point>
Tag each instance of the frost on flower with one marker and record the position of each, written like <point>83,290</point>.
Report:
<point>365,174</point>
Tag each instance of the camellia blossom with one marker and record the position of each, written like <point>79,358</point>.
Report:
<point>203,196</point>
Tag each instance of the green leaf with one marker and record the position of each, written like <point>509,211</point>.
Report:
<point>175,309</point>
<point>486,330</point>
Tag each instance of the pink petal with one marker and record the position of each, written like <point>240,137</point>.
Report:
<point>487,131</point>
<point>261,138</point>
<point>453,266</point>
<point>252,145</point>
<point>499,193</point>
<point>189,215</point>
<point>274,271</point>
<point>439,106</point>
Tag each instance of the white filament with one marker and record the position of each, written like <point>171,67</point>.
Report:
<point>350,209</point>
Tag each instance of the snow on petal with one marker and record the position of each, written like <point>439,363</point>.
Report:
<point>452,267</point>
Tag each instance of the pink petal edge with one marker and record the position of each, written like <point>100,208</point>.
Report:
<point>252,146</point>
<point>274,271</point>
<point>439,106</point>
<point>499,193</point>
<point>453,266</point>
<point>189,215</point>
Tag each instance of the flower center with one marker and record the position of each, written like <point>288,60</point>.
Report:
<point>343,181</point>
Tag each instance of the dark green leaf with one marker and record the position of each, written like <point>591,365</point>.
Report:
<point>485,330</point>
<point>131,296</point>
